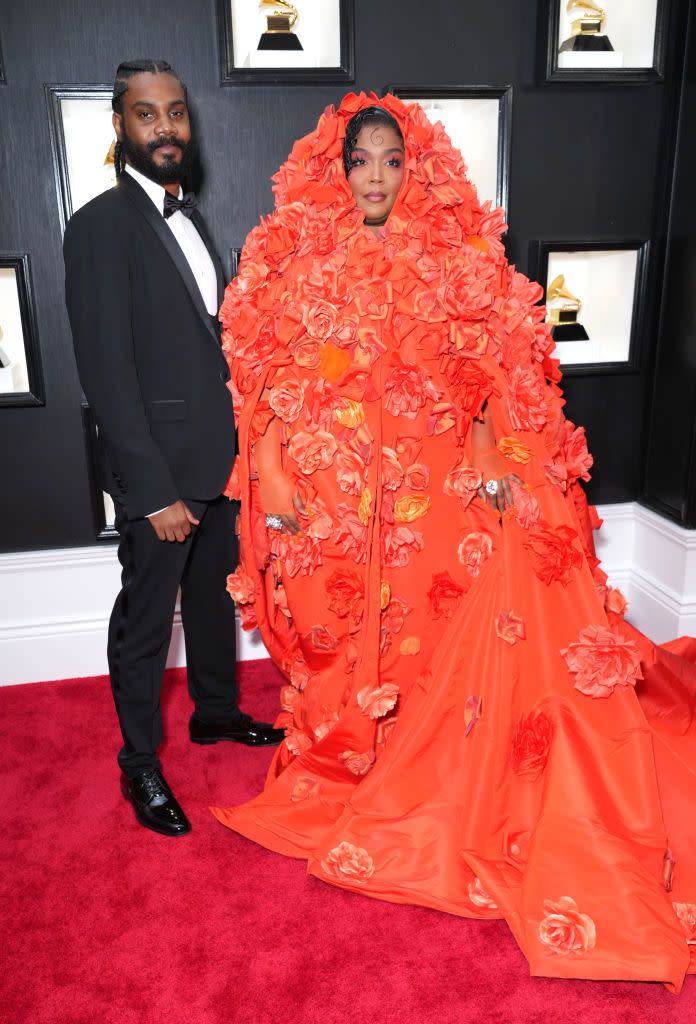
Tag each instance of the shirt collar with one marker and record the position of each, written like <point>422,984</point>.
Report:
<point>155,192</point>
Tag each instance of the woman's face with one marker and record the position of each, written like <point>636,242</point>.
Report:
<point>377,172</point>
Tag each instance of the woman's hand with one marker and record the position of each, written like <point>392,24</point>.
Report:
<point>279,497</point>
<point>503,498</point>
<point>491,464</point>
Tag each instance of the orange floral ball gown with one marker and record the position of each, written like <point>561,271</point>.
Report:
<point>462,724</point>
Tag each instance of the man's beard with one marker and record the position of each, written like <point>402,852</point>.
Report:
<point>142,158</point>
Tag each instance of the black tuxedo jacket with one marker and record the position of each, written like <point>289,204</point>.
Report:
<point>148,353</point>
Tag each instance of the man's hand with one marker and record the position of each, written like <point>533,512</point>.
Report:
<point>174,522</point>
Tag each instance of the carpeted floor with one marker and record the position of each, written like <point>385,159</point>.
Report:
<point>106,923</point>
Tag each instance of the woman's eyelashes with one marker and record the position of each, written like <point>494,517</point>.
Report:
<point>359,161</point>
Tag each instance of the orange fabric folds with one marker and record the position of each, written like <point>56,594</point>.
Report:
<point>463,729</point>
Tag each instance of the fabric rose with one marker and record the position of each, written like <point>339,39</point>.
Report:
<point>320,639</point>
<point>312,451</point>
<point>444,595</point>
<point>601,659</point>
<point>614,601</point>
<point>350,470</point>
<point>574,453</point>
<point>300,674</point>
<point>557,474</point>
<point>350,534</point>
<point>392,473</point>
<point>240,587</point>
<point>686,914</point>
<point>512,448</point>
<point>410,508</point>
<point>358,764</point>
<point>526,508</point>
<point>410,645</point>
<point>394,615</point>
<point>479,897</point>
<point>289,697</point>
<point>345,590</point>
<point>286,400</point>
<point>417,477</point>
<point>377,701</point>
<point>373,298</point>
<point>297,741</point>
<point>525,402</point>
<point>398,544</point>
<point>305,787</point>
<point>349,863</point>
<point>463,482</point>
<point>531,744</point>
<point>320,321</point>
<point>565,930</point>
<point>510,627</point>
<point>300,554</point>
<point>350,413</point>
<point>473,551</point>
<point>306,353</point>
<point>365,506</point>
<point>552,552</point>
<point>325,726</point>
<point>407,388</point>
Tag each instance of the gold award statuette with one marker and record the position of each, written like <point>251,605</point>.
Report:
<point>563,317</point>
<point>279,26</point>
<point>586,31</point>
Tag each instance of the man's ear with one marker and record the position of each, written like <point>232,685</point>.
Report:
<point>117,122</point>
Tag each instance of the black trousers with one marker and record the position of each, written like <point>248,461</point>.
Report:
<point>141,625</point>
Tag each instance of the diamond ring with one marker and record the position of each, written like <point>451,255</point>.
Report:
<point>492,487</point>
<point>274,522</point>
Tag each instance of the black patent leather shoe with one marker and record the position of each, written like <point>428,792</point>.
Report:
<point>238,730</point>
<point>154,804</point>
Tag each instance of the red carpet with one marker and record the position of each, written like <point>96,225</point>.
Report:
<point>105,923</point>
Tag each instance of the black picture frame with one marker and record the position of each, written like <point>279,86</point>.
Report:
<point>55,94</point>
<point>231,75</point>
<point>502,93</point>
<point>234,258</point>
<point>539,258</point>
<point>102,530</point>
<point>549,71</point>
<point>20,263</point>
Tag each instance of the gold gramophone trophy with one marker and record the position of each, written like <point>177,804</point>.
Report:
<point>563,317</point>
<point>586,31</point>
<point>279,26</point>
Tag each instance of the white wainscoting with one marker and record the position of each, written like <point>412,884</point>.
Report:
<point>55,605</point>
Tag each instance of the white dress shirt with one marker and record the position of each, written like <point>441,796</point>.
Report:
<point>190,243</point>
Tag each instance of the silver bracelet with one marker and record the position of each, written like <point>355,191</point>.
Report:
<point>492,487</point>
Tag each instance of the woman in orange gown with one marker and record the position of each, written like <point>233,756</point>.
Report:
<point>462,724</point>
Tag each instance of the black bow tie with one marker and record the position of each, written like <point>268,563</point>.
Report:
<point>187,205</point>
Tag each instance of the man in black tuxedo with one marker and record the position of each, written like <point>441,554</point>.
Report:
<point>143,286</point>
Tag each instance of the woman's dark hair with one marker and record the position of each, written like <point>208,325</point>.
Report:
<point>366,116</point>
<point>124,72</point>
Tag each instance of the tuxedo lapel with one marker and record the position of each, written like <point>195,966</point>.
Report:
<point>132,190</point>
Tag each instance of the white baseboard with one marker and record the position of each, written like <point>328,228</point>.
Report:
<point>54,615</point>
<point>55,605</point>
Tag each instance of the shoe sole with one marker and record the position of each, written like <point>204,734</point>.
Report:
<point>231,739</point>
<point>149,825</point>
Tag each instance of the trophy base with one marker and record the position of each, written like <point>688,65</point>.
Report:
<point>279,41</point>
<point>569,332</point>
<point>586,44</point>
